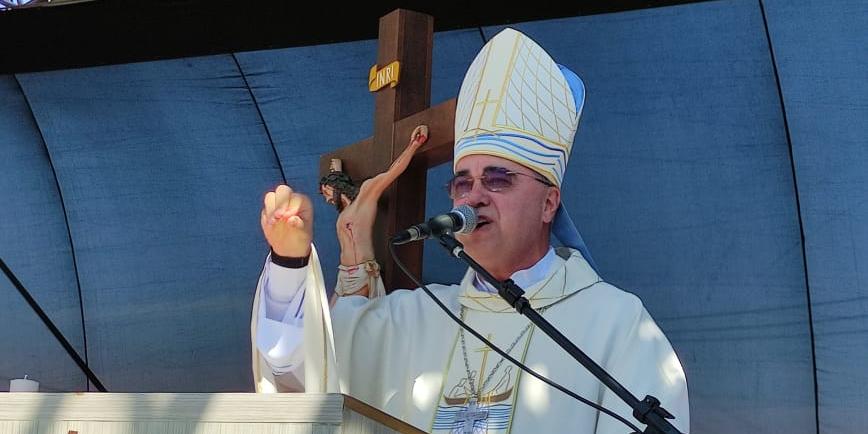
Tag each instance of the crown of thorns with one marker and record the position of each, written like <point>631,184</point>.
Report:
<point>341,183</point>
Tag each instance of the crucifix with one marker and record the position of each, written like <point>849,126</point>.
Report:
<point>404,53</point>
<point>469,416</point>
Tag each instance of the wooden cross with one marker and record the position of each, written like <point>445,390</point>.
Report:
<point>406,37</point>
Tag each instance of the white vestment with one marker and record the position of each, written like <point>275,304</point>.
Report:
<point>402,354</point>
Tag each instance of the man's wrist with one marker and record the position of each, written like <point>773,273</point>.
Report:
<point>289,261</point>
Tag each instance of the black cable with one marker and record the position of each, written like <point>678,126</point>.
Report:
<point>501,352</point>
<point>54,330</point>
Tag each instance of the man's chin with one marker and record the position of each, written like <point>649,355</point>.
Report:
<point>478,248</point>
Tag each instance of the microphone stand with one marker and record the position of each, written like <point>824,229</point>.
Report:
<point>647,411</point>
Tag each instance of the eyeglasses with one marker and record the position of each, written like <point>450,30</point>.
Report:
<point>494,179</point>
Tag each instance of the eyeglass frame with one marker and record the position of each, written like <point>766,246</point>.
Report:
<point>481,178</point>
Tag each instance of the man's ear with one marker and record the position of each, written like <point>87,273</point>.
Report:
<point>550,206</point>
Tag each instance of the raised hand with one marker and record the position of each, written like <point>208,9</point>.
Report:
<point>287,222</point>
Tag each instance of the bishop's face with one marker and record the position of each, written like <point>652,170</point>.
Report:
<point>514,219</point>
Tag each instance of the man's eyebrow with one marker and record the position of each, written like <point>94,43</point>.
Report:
<point>495,169</point>
<point>462,172</point>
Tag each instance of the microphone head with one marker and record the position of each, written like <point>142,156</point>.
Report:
<point>468,216</point>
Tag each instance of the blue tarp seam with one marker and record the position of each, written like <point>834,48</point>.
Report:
<point>261,117</point>
<point>798,215</point>
<point>65,220</point>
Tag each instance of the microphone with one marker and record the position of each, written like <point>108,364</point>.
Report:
<point>461,220</point>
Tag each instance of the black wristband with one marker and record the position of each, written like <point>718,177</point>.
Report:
<point>288,261</point>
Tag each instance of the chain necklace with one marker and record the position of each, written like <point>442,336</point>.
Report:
<point>476,395</point>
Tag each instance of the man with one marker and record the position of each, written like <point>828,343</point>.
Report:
<point>516,117</point>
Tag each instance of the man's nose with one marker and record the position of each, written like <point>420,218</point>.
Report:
<point>477,196</point>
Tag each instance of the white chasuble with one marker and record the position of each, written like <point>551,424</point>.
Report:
<point>480,387</point>
<point>402,354</point>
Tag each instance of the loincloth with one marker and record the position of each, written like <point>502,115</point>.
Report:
<point>354,278</point>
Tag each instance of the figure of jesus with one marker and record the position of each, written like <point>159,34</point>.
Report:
<point>359,272</point>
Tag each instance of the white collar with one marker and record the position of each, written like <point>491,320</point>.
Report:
<point>523,278</point>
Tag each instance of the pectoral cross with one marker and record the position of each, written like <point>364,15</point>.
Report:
<point>473,413</point>
<point>470,416</point>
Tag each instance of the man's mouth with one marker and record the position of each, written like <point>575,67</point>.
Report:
<point>482,222</point>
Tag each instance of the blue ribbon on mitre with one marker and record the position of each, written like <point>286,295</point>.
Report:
<point>563,227</point>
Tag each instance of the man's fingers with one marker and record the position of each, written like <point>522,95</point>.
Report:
<point>263,219</point>
<point>282,193</point>
<point>283,203</point>
<point>296,222</point>
<point>295,203</point>
<point>287,221</point>
<point>281,199</point>
<point>269,204</point>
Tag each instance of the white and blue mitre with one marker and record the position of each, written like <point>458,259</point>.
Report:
<point>517,103</point>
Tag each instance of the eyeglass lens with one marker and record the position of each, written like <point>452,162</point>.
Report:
<point>493,179</point>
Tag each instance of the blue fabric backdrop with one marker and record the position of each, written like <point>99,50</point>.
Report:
<point>34,242</point>
<point>161,166</point>
<point>693,177</point>
<point>681,183</point>
<point>823,63</point>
